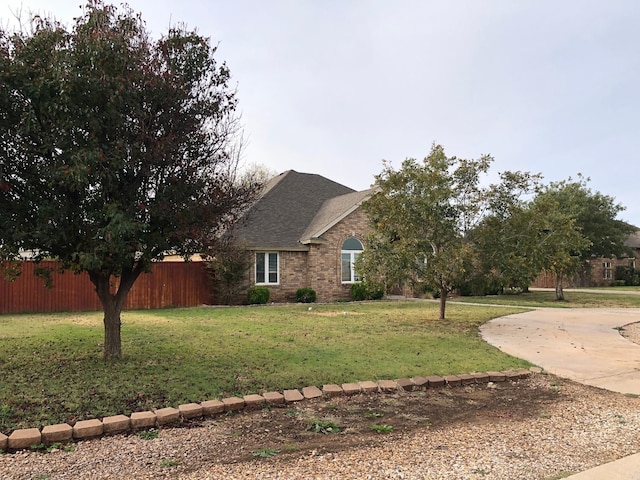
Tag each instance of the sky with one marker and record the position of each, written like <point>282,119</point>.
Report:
<point>335,87</point>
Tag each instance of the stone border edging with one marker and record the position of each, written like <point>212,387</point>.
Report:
<point>85,429</point>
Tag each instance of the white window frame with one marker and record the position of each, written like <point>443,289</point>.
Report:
<point>353,255</point>
<point>267,270</point>
<point>607,273</point>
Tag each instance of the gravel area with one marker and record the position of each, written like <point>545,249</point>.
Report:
<point>563,428</point>
<point>538,428</point>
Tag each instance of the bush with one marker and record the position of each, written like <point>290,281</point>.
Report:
<point>479,287</point>
<point>629,275</point>
<point>258,295</point>
<point>375,291</point>
<point>227,272</point>
<point>366,291</point>
<point>305,295</point>
<point>358,292</point>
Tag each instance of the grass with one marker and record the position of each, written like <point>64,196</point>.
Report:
<point>381,428</point>
<point>548,299</point>
<point>168,462</point>
<point>52,370</point>
<point>265,452</point>
<point>373,415</point>
<point>148,434</point>
<point>622,288</point>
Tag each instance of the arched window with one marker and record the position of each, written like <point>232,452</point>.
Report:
<point>351,248</point>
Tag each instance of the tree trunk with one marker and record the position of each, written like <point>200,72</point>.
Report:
<point>443,302</point>
<point>559,291</point>
<point>112,304</point>
<point>112,338</point>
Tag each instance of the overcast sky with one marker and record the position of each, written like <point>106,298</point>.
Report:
<point>335,86</point>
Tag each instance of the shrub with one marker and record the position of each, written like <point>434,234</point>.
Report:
<point>305,295</point>
<point>375,291</point>
<point>366,291</point>
<point>227,272</point>
<point>480,286</point>
<point>358,292</point>
<point>629,275</point>
<point>258,295</point>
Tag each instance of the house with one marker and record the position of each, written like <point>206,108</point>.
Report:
<point>597,271</point>
<point>304,231</point>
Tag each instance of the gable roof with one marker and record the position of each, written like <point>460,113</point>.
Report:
<point>285,209</point>
<point>332,211</point>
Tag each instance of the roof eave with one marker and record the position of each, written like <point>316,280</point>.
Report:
<point>335,221</point>
<point>313,241</point>
<point>261,248</point>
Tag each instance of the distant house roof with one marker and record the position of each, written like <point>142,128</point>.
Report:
<point>633,241</point>
<point>286,208</point>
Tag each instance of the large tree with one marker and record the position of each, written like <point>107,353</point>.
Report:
<point>595,229</point>
<point>420,217</point>
<point>114,149</point>
<point>595,214</point>
<point>507,240</point>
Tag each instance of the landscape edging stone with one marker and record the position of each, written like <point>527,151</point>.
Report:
<point>85,429</point>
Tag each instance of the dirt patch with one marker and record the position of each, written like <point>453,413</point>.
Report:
<point>536,428</point>
<point>370,419</point>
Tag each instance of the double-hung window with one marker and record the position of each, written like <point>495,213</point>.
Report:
<point>607,273</point>
<point>351,248</point>
<point>267,268</point>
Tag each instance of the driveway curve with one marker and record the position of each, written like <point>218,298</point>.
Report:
<point>584,345</point>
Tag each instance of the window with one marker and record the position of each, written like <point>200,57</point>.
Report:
<point>351,248</point>
<point>607,273</point>
<point>267,267</point>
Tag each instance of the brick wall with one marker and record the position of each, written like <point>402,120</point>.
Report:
<point>293,275</point>
<point>325,270</point>
<point>318,268</point>
<point>603,270</point>
<point>592,275</point>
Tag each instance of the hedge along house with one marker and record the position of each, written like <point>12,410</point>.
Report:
<point>304,231</point>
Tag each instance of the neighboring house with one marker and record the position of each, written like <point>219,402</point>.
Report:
<point>602,270</point>
<point>304,231</point>
<point>598,271</point>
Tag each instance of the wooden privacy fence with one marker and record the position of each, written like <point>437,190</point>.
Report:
<point>170,284</point>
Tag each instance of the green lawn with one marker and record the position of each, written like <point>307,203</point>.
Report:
<point>621,289</point>
<point>52,371</point>
<point>548,299</point>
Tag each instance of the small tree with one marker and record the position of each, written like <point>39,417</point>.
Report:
<point>420,217</point>
<point>561,241</point>
<point>114,149</point>
<point>227,268</point>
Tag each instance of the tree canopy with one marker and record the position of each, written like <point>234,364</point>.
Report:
<point>594,228</point>
<point>435,226</point>
<point>420,217</point>
<point>114,148</point>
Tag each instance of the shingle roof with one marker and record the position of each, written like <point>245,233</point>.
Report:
<point>286,208</point>
<point>332,211</point>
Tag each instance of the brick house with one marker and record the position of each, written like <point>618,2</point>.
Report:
<point>597,271</point>
<point>304,231</point>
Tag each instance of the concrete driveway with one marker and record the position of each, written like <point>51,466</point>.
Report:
<point>584,345</point>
